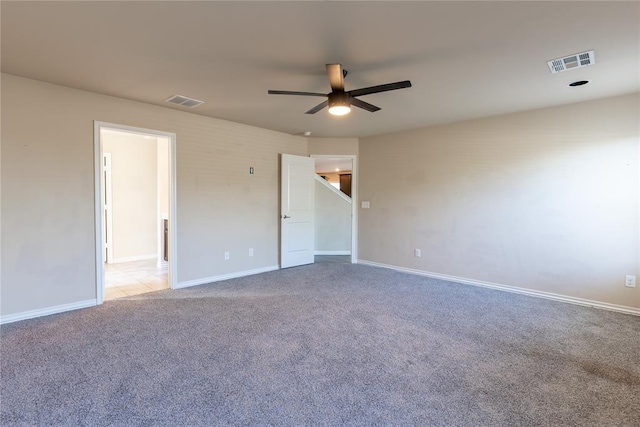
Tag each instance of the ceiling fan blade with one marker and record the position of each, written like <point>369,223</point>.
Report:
<point>318,107</point>
<point>336,77</point>
<point>364,105</point>
<point>380,88</point>
<point>287,92</point>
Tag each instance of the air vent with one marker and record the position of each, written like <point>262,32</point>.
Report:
<point>184,101</point>
<point>570,62</point>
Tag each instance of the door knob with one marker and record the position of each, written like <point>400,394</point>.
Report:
<point>285,216</point>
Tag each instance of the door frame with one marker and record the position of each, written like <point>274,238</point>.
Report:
<point>98,126</point>
<point>354,198</point>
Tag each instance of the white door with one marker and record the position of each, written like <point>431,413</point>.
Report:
<point>297,211</point>
<point>106,202</point>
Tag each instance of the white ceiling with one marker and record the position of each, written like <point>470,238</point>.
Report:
<point>465,59</point>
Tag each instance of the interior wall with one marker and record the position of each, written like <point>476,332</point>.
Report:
<point>163,176</point>
<point>545,200</point>
<point>333,222</point>
<point>163,196</point>
<point>333,146</point>
<point>48,238</point>
<point>134,183</point>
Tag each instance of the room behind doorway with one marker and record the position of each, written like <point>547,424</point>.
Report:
<point>136,206</point>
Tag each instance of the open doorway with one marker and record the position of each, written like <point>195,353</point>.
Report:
<point>135,213</point>
<point>336,220</point>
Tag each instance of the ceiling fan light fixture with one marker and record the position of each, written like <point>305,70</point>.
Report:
<point>340,101</point>
<point>339,104</point>
<point>339,110</point>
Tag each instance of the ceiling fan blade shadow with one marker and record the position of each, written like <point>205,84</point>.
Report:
<point>318,107</point>
<point>287,92</point>
<point>380,88</point>
<point>336,77</point>
<point>364,105</point>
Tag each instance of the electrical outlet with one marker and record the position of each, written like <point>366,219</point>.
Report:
<point>226,255</point>
<point>630,281</point>
<point>417,253</point>
<point>250,251</point>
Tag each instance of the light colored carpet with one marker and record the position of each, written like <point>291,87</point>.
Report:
<point>325,344</point>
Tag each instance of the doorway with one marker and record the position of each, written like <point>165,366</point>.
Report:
<point>337,238</point>
<point>135,210</point>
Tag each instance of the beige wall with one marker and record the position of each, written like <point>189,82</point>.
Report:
<point>134,189</point>
<point>163,192</point>
<point>48,238</point>
<point>545,200</point>
<point>332,220</point>
<point>333,146</point>
<point>163,176</point>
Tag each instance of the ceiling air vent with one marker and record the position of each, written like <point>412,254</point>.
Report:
<point>570,62</point>
<point>184,101</point>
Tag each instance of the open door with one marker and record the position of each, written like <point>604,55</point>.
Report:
<point>107,226</point>
<point>297,197</point>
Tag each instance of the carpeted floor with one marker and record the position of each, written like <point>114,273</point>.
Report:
<point>326,344</point>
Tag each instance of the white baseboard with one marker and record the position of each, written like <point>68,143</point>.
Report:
<point>515,289</point>
<point>133,258</point>
<point>212,279</point>
<point>332,253</point>
<point>10,318</point>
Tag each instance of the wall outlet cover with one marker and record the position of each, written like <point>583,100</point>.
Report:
<point>630,281</point>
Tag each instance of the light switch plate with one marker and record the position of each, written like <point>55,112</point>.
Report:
<point>365,205</point>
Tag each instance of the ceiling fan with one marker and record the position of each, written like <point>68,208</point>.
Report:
<point>340,101</point>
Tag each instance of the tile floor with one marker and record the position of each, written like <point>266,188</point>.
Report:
<point>139,277</point>
<point>133,278</point>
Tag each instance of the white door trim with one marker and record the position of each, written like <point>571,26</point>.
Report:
<point>354,198</point>
<point>99,197</point>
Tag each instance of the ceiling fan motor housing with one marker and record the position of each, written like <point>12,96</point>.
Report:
<point>339,99</point>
